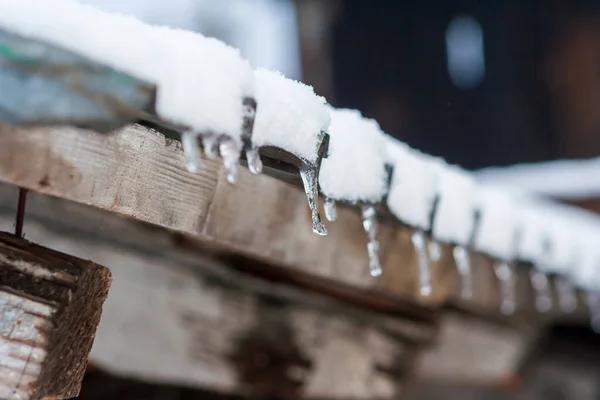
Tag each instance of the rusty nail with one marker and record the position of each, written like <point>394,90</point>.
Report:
<point>20,212</point>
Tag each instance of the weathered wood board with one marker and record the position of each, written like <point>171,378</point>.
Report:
<point>175,316</point>
<point>129,246</point>
<point>139,173</point>
<point>50,307</point>
<point>471,350</point>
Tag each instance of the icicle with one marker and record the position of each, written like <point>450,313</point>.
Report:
<point>462,259</point>
<point>252,155</point>
<point>308,173</point>
<point>593,303</point>
<point>505,274</point>
<point>255,164</point>
<point>567,297</point>
<point>418,241</point>
<point>191,152</point>
<point>231,155</point>
<point>370,224</point>
<point>330,209</point>
<point>435,250</point>
<point>211,147</point>
<point>541,286</point>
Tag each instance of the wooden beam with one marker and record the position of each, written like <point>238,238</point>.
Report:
<point>50,306</point>
<point>175,315</point>
<point>139,173</point>
<point>475,351</point>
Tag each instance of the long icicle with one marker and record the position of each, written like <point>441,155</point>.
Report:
<point>462,259</point>
<point>370,224</point>
<point>193,162</point>
<point>308,173</point>
<point>541,286</point>
<point>505,274</point>
<point>419,243</point>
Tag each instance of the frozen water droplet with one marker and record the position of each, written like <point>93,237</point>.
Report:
<point>308,173</point>
<point>541,286</point>
<point>211,147</point>
<point>418,240</point>
<point>255,165</point>
<point>330,209</point>
<point>504,273</point>
<point>435,251</point>
<point>593,303</point>
<point>191,152</point>
<point>230,153</point>
<point>462,259</point>
<point>370,225</point>
<point>567,297</point>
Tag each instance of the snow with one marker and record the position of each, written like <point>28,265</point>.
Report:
<point>413,187</point>
<point>584,272</point>
<point>454,217</point>
<point>533,226</point>
<point>497,230</point>
<point>289,115</point>
<point>567,179</point>
<point>265,31</point>
<point>201,81</point>
<point>572,235</point>
<point>575,234</point>
<point>355,167</point>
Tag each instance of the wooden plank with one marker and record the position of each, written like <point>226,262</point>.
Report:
<point>107,227</point>
<point>473,351</point>
<point>176,316</point>
<point>50,306</point>
<point>139,173</point>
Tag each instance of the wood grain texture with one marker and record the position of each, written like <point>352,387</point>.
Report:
<point>176,316</point>
<point>139,173</point>
<point>50,307</point>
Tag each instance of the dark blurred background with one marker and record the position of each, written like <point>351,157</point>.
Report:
<point>479,82</point>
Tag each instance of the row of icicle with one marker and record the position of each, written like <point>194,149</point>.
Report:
<point>228,108</point>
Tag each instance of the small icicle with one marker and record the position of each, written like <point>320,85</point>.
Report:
<point>504,273</point>
<point>418,241</point>
<point>231,155</point>
<point>255,165</point>
<point>435,250</point>
<point>541,286</point>
<point>330,209</point>
<point>370,224</point>
<point>567,297</point>
<point>308,173</point>
<point>593,303</point>
<point>211,147</point>
<point>462,259</point>
<point>191,153</point>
